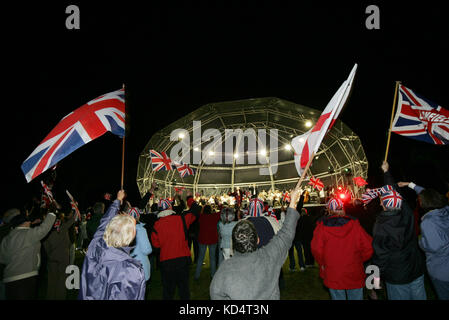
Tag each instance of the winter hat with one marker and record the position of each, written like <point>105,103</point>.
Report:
<point>264,230</point>
<point>255,208</point>
<point>164,204</point>
<point>390,198</point>
<point>335,204</point>
<point>135,212</point>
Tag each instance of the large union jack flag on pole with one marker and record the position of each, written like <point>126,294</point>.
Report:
<point>420,119</point>
<point>309,142</point>
<point>88,122</point>
<point>160,161</point>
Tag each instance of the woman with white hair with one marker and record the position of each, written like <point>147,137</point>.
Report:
<point>109,272</point>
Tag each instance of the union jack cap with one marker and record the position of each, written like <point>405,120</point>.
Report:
<point>335,204</point>
<point>164,204</point>
<point>255,208</point>
<point>134,212</point>
<point>391,199</point>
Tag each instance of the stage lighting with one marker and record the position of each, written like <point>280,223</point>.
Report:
<point>181,135</point>
<point>288,147</point>
<point>196,149</point>
<point>236,155</point>
<point>263,152</point>
<point>211,153</point>
<point>308,123</point>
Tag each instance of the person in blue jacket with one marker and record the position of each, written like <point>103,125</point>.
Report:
<point>109,272</point>
<point>143,247</point>
<point>435,236</point>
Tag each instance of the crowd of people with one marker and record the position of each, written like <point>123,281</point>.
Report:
<point>248,243</point>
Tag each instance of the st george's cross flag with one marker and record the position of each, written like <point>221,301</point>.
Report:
<point>316,183</point>
<point>160,161</point>
<point>420,119</point>
<point>309,142</point>
<point>88,122</point>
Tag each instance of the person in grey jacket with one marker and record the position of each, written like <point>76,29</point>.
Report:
<point>20,253</point>
<point>435,236</point>
<point>258,270</point>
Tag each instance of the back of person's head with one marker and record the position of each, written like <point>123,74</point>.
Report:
<point>207,209</point>
<point>135,213</point>
<point>154,207</point>
<point>98,208</point>
<point>244,237</point>
<point>227,215</point>
<point>120,231</point>
<point>335,207</point>
<point>10,214</point>
<point>431,199</point>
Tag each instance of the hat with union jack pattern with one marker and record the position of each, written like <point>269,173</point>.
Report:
<point>164,204</point>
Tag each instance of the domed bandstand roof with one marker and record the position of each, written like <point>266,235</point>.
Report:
<point>270,124</point>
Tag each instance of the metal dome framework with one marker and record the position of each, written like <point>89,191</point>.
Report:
<point>341,149</point>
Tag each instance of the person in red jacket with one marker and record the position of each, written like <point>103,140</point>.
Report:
<point>340,246</point>
<point>170,235</point>
<point>207,238</point>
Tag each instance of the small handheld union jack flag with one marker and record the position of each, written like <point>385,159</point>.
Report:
<point>74,205</point>
<point>316,183</point>
<point>184,170</point>
<point>160,161</point>
<point>47,195</point>
<point>57,225</point>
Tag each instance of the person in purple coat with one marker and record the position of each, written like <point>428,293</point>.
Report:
<point>109,272</point>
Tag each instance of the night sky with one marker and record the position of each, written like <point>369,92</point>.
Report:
<point>176,58</point>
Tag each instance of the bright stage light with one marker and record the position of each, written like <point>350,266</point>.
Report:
<point>181,135</point>
<point>211,153</point>
<point>196,149</point>
<point>236,155</point>
<point>263,152</point>
<point>308,123</point>
<point>342,196</point>
<point>288,147</point>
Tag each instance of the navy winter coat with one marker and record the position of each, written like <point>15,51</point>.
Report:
<point>110,273</point>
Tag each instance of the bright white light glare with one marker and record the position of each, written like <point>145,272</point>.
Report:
<point>308,123</point>
<point>196,149</point>
<point>211,153</point>
<point>288,147</point>
<point>181,135</point>
<point>236,155</point>
<point>263,152</point>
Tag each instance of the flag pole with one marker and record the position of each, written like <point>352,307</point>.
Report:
<point>392,117</point>
<point>123,147</point>
<point>305,171</point>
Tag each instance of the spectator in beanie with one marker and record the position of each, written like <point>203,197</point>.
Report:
<point>435,236</point>
<point>109,272</point>
<point>207,238</point>
<point>340,246</point>
<point>20,253</point>
<point>143,247</point>
<point>396,250</point>
<point>253,273</point>
<point>57,247</point>
<point>170,235</point>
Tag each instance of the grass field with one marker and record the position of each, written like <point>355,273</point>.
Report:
<point>306,285</point>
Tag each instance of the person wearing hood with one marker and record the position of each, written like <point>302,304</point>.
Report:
<point>396,251</point>
<point>170,235</point>
<point>109,272</point>
<point>340,247</point>
<point>435,236</point>
<point>225,227</point>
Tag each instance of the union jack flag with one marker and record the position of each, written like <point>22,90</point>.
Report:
<point>184,170</point>
<point>74,206</point>
<point>359,181</point>
<point>88,122</point>
<point>310,141</point>
<point>391,199</point>
<point>47,196</point>
<point>286,197</point>
<point>57,225</point>
<point>160,161</point>
<point>420,119</point>
<point>316,183</point>
<point>256,207</point>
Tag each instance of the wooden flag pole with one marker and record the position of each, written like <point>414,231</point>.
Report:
<point>392,117</point>
<point>305,171</point>
<point>123,147</point>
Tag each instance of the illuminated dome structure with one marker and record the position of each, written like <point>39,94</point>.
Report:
<point>248,136</point>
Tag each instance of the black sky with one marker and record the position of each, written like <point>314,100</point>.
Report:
<point>175,58</point>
